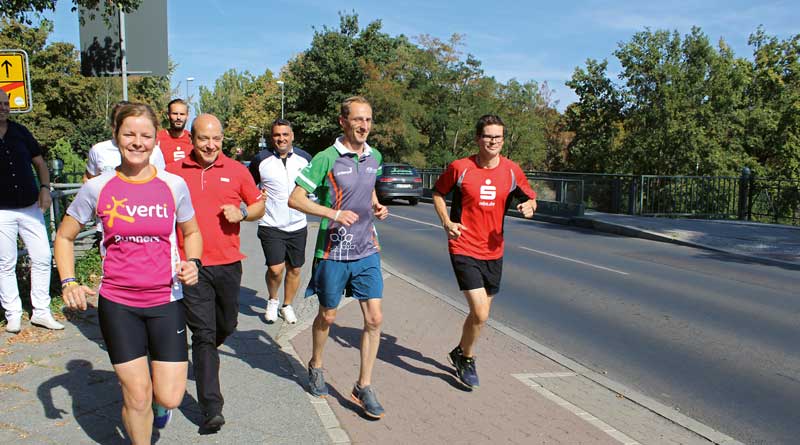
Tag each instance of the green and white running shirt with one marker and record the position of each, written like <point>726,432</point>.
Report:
<point>344,181</point>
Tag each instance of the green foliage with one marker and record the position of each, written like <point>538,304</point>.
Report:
<point>89,268</point>
<point>21,10</point>
<point>685,107</point>
<point>72,161</point>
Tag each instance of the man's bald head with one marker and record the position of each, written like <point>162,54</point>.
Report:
<point>206,120</point>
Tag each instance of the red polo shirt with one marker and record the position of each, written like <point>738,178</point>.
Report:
<point>174,149</point>
<point>224,182</point>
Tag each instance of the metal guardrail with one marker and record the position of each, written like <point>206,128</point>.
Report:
<point>726,197</point>
<point>62,195</point>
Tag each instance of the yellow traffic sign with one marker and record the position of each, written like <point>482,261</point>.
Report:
<point>15,79</point>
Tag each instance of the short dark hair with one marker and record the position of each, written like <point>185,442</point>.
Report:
<point>177,101</point>
<point>488,119</point>
<point>280,122</point>
<point>345,108</point>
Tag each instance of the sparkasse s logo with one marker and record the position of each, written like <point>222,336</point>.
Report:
<point>488,192</point>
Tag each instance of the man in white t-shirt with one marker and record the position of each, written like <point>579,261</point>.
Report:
<point>104,156</point>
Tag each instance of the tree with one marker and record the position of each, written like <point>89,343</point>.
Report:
<point>21,10</point>
<point>773,95</point>
<point>595,119</point>
<point>331,70</point>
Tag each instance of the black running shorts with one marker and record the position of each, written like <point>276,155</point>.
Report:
<point>472,273</point>
<point>131,332</point>
<point>280,246</point>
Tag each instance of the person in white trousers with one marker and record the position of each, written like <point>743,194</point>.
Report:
<point>21,214</point>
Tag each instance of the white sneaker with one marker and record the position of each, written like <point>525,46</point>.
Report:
<point>272,310</point>
<point>46,321</point>
<point>13,325</point>
<point>288,314</point>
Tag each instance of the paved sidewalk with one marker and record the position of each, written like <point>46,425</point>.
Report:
<point>60,387</point>
<point>525,397</point>
<point>767,243</point>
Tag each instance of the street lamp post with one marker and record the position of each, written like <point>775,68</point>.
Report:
<point>188,80</point>
<point>281,83</point>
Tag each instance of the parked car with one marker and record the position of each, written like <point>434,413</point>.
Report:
<point>400,181</point>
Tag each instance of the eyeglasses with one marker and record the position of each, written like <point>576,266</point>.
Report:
<point>490,138</point>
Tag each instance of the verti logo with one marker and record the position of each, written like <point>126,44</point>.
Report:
<point>142,211</point>
<point>488,191</point>
<point>113,213</point>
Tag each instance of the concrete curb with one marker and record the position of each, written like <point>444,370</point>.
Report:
<point>648,403</point>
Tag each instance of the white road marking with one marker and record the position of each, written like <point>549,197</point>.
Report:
<point>529,380</point>
<point>415,220</point>
<point>525,248</point>
<point>573,260</point>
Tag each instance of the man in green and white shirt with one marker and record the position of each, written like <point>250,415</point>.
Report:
<point>347,252</point>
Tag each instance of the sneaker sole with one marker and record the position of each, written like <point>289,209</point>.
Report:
<point>458,377</point>
<point>46,327</point>
<point>367,413</point>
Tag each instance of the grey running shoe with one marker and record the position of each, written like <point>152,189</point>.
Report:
<point>465,368</point>
<point>316,382</point>
<point>365,398</point>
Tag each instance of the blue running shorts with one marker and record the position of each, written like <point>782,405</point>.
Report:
<point>361,277</point>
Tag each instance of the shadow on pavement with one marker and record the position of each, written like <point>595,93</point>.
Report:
<point>96,401</point>
<point>394,353</point>
<point>256,348</point>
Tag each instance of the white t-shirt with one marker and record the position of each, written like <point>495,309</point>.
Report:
<point>104,157</point>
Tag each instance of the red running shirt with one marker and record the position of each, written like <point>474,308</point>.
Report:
<point>174,149</point>
<point>480,200</point>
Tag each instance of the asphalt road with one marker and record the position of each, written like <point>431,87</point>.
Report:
<point>713,336</point>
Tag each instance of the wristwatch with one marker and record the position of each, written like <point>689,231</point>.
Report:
<point>196,262</point>
<point>244,214</point>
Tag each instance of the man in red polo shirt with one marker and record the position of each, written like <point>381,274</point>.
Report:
<point>175,142</point>
<point>218,186</point>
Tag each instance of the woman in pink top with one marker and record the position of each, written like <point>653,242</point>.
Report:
<point>139,312</point>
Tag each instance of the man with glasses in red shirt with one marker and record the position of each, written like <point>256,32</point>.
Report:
<point>482,185</point>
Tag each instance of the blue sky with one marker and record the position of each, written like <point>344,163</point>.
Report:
<point>526,40</point>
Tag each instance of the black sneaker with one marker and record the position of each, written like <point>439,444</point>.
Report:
<point>316,382</point>
<point>465,368</point>
<point>213,422</point>
<point>365,398</point>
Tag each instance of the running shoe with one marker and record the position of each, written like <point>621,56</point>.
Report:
<point>465,368</point>
<point>365,398</point>
<point>287,312</point>
<point>316,382</point>
<point>161,416</point>
<point>272,310</point>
